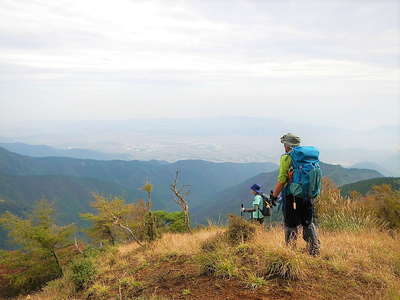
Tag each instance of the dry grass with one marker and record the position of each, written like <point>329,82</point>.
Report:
<point>363,264</point>
<point>352,265</point>
<point>178,243</point>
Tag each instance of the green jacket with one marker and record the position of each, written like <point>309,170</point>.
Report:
<point>284,166</point>
<point>257,205</point>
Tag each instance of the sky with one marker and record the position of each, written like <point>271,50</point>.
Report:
<point>331,63</point>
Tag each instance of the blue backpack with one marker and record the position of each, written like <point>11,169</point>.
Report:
<point>306,181</point>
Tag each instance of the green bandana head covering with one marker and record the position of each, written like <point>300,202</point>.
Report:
<point>291,140</point>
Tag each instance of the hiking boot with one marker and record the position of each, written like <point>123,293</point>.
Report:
<point>313,250</point>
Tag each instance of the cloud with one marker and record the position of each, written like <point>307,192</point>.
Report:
<point>138,33</point>
<point>198,53</point>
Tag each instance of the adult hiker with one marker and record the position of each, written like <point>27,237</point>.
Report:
<point>257,204</point>
<point>299,181</point>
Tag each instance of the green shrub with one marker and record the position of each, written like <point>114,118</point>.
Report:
<point>39,240</point>
<point>92,252</point>
<point>248,255</point>
<point>208,262</point>
<point>32,272</point>
<point>244,250</point>
<point>186,292</point>
<point>226,268</point>
<point>254,282</point>
<point>170,221</point>
<point>83,273</point>
<point>284,264</point>
<point>129,283</point>
<point>218,264</point>
<point>98,291</point>
<point>239,230</point>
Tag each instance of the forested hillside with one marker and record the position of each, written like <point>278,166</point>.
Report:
<point>132,174</point>
<point>70,195</point>
<point>365,186</point>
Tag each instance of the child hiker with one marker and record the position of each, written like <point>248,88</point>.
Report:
<point>256,214</point>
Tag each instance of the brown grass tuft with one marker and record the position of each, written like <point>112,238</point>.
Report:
<point>239,230</point>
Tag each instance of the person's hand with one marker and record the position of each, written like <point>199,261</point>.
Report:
<point>273,198</point>
<point>243,209</point>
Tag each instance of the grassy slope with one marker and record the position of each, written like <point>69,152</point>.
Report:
<point>363,265</point>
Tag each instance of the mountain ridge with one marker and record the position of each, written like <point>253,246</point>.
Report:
<point>48,151</point>
<point>203,176</point>
<point>372,166</point>
<point>365,186</point>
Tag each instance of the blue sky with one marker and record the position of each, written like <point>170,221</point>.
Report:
<point>333,63</point>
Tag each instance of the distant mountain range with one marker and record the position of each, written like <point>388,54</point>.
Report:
<point>216,188</point>
<point>372,166</point>
<point>365,186</point>
<point>392,163</point>
<point>69,181</point>
<point>238,139</point>
<point>44,151</point>
<point>204,177</point>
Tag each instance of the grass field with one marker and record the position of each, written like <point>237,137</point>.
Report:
<point>206,265</point>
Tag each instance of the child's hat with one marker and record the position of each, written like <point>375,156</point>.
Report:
<point>255,187</point>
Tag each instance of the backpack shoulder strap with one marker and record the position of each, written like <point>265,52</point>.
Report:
<point>292,159</point>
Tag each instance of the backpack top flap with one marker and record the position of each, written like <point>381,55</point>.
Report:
<point>304,155</point>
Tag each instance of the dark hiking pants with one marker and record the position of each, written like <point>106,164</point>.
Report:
<point>301,215</point>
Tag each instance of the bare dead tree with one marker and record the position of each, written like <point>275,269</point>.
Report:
<point>118,222</point>
<point>133,237</point>
<point>180,194</point>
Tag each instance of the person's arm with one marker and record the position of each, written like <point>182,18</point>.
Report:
<point>249,209</point>
<point>284,166</point>
<point>256,204</point>
<point>278,189</point>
